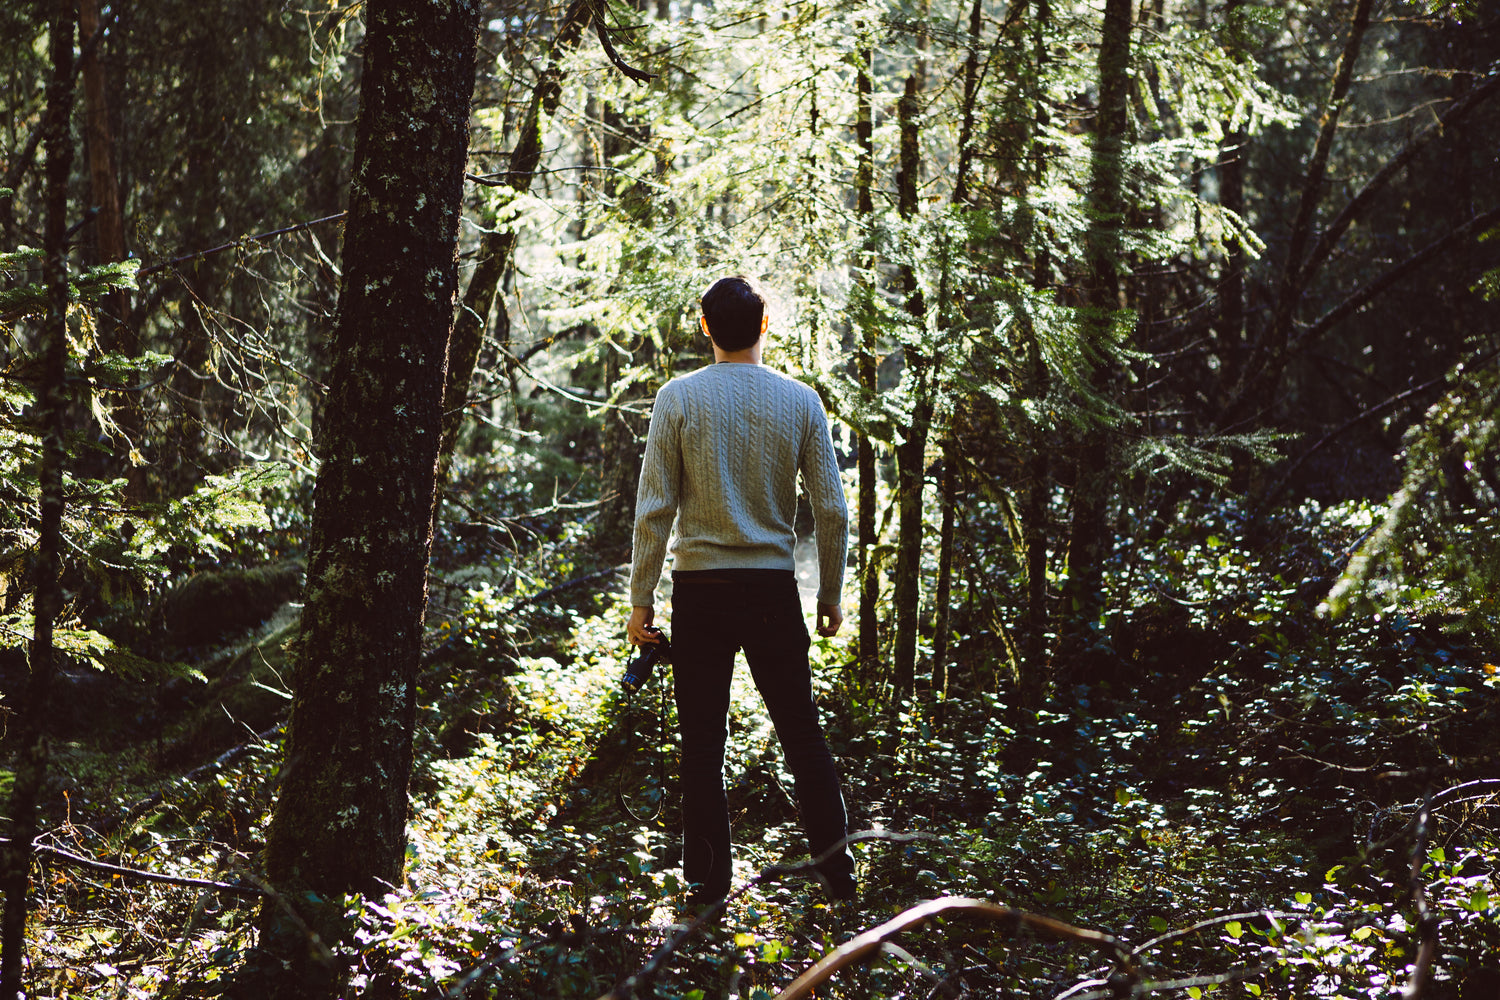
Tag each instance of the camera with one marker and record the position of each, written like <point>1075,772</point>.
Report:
<point>638,672</point>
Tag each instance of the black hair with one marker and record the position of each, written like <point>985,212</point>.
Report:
<point>734,308</point>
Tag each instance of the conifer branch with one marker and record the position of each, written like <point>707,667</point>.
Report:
<point>638,75</point>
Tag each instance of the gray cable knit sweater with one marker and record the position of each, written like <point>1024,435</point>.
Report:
<point>722,456</point>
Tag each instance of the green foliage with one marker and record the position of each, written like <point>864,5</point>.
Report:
<point>87,286</point>
<point>1437,549</point>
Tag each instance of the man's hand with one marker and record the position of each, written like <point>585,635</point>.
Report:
<point>830,617</point>
<point>638,629</point>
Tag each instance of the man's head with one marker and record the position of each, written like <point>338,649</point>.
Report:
<point>734,313</point>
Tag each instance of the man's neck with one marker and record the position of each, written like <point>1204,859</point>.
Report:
<point>749,356</point>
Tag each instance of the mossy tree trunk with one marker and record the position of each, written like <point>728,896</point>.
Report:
<point>339,825</point>
<point>866,362</point>
<point>911,451</point>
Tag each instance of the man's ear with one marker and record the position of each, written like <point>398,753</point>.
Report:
<point>765,321</point>
<point>703,323</point>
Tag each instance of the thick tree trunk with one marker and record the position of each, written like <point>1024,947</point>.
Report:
<point>109,224</point>
<point>29,727</point>
<point>339,825</point>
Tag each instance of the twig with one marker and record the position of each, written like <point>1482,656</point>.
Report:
<point>1228,918</point>
<point>1427,921</point>
<point>153,269</point>
<point>79,861</point>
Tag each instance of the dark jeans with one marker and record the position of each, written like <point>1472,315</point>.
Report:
<point>714,614</point>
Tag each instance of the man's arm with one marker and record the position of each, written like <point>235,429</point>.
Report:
<point>825,492</point>
<point>656,499</point>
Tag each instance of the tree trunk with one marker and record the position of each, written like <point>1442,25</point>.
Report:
<point>869,579</point>
<point>1088,540</point>
<point>947,537</point>
<point>911,452</point>
<point>30,733</point>
<point>1232,155</point>
<point>1262,370</point>
<point>495,251</point>
<point>339,825</point>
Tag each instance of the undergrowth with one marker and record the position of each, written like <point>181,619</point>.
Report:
<point>1253,799</point>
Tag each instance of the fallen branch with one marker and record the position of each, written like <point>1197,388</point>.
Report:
<point>860,947</point>
<point>139,874</point>
<point>642,982</point>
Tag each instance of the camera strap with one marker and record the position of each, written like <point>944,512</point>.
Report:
<point>635,767</point>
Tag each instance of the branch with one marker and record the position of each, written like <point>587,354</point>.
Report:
<point>638,75</point>
<point>1286,477</point>
<point>153,269</point>
<point>1267,359</point>
<point>1427,921</point>
<point>79,861</point>
<point>1372,187</point>
<point>862,945</point>
<point>1339,312</point>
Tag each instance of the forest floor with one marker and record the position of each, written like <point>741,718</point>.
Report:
<point>1247,799</point>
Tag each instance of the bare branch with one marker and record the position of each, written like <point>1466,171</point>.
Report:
<point>863,945</point>
<point>79,861</point>
<point>638,75</point>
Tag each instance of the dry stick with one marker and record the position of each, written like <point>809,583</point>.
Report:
<point>1479,784</point>
<point>233,244</point>
<point>1427,921</point>
<point>861,946</point>
<point>79,861</point>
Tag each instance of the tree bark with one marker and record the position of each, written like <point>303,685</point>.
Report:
<point>339,825</point>
<point>1088,535</point>
<point>911,452</point>
<point>31,734</point>
<point>865,365</point>
<point>1035,487</point>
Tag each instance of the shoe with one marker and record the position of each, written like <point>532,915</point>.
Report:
<point>840,889</point>
<point>710,911</point>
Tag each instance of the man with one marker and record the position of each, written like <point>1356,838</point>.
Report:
<point>723,453</point>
